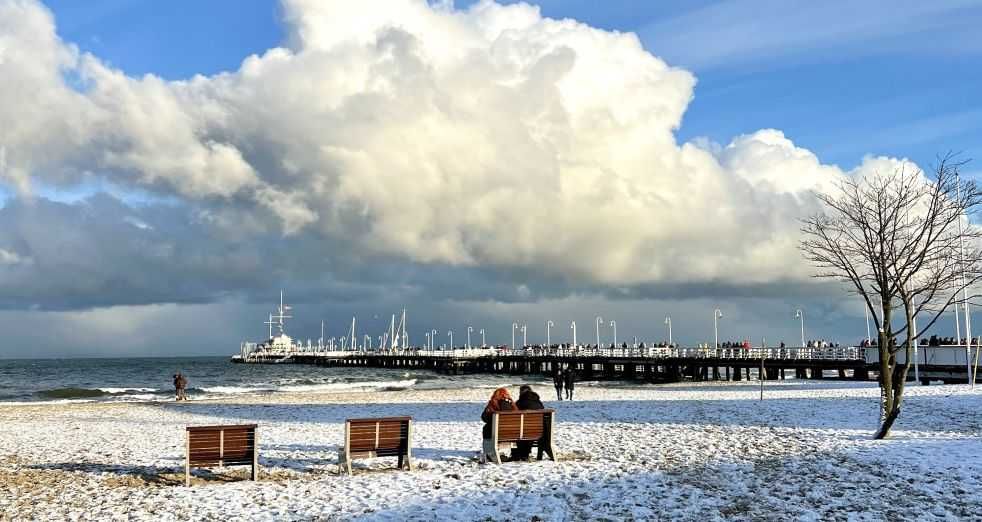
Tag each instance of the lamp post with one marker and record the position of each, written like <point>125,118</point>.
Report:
<point>600,321</point>
<point>549,325</point>
<point>514,326</point>
<point>717,314</point>
<point>573,326</point>
<point>668,321</point>
<point>483,343</point>
<point>798,314</point>
<point>450,333</point>
<point>469,330</point>
<point>613,324</point>
<point>427,334</point>
<point>432,339</point>
<point>525,339</point>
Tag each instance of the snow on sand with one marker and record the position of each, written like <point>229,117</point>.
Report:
<point>682,452</point>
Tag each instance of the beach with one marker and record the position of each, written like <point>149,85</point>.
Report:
<point>687,451</point>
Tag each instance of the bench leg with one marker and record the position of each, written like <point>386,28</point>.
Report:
<point>187,476</point>
<point>409,461</point>
<point>400,464</point>
<point>496,455</point>
<point>550,452</point>
<point>347,463</point>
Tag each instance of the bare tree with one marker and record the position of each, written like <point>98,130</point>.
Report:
<point>899,237</point>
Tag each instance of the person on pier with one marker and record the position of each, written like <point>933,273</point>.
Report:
<point>557,381</point>
<point>500,401</point>
<point>569,380</point>
<point>527,400</point>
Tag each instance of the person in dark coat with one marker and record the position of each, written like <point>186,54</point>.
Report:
<point>527,400</point>
<point>569,380</point>
<point>557,381</point>
<point>500,401</point>
<point>180,385</point>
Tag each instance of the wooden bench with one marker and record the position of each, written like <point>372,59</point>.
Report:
<point>225,445</point>
<point>533,426</point>
<point>380,437</point>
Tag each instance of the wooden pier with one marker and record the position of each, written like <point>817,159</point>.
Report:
<point>647,365</point>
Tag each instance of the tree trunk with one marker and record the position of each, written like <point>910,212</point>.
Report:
<point>898,378</point>
<point>886,366</point>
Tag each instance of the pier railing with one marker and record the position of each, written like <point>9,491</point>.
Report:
<point>850,353</point>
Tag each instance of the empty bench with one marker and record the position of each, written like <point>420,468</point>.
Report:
<point>225,445</point>
<point>380,437</point>
<point>508,428</point>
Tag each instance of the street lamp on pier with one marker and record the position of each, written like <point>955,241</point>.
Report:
<point>549,325</point>
<point>427,334</point>
<point>717,314</point>
<point>572,325</point>
<point>450,333</point>
<point>600,321</point>
<point>613,324</point>
<point>484,344</point>
<point>469,330</point>
<point>525,339</point>
<point>514,327</point>
<point>668,321</point>
<point>432,339</point>
<point>798,314</point>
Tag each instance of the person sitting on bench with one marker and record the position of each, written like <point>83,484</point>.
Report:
<point>527,400</point>
<point>500,401</point>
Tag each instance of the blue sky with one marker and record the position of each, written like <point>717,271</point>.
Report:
<point>180,200</point>
<point>894,78</point>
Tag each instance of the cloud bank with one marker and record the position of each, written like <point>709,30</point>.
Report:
<point>394,143</point>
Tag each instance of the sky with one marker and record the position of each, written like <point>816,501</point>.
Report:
<point>167,167</point>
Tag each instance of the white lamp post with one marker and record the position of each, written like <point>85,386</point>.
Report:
<point>514,326</point>
<point>469,330</point>
<point>427,340</point>
<point>549,325</point>
<point>668,321</point>
<point>573,326</point>
<point>450,333</point>
<point>798,314</point>
<point>432,339</point>
<point>484,344</point>
<point>613,324</point>
<point>717,314</point>
<point>525,339</point>
<point>600,321</point>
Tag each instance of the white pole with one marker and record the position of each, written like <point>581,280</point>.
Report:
<point>432,340</point>
<point>525,340</point>
<point>965,305</point>
<point>573,326</point>
<point>613,324</point>
<point>514,326</point>
<point>600,321</point>
<point>427,334</point>
<point>484,343</point>
<point>549,325</point>
<point>801,315</point>
<point>668,321</point>
<point>717,314</point>
<point>869,335</point>
<point>469,330</point>
<point>450,333</point>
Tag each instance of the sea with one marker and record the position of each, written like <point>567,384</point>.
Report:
<point>151,379</point>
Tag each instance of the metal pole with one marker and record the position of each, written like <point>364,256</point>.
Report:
<point>469,330</point>
<point>668,321</point>
<point>573,326</point>
<point>514,326</point>
<point>613,324</point>
<point>801,315</point>
<point>869,337</point>
<point>717,314</point>
<point>484,343</point>
<point>549,325</point>
<point>965,305</point>
<point>599,322</point>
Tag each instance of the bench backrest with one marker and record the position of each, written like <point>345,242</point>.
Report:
<point>384,435</point>
<point>525,425</point>
<point>228,445</point>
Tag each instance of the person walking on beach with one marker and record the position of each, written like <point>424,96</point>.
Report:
<point>569,379</point>
<point>557,381</point>
<point>500,401</point>
<point>527,400</point>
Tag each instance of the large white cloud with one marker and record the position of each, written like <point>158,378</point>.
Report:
<point>491,137</point>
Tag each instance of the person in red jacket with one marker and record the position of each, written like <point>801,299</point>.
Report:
<point>500,401</point>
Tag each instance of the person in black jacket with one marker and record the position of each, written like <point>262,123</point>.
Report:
<point>569,379</point>
<point>557,381</point>
<point>527,400</point>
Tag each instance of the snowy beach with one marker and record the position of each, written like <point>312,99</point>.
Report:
<point>690,451</point>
